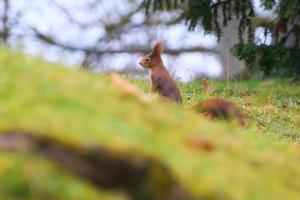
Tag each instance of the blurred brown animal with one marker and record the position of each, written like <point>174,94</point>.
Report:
<point>221,109</point>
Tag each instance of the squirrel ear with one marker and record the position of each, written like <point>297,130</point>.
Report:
<point>157,49</point>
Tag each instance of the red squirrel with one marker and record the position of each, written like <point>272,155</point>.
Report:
<point>164,85</point>
<point>161,81</point>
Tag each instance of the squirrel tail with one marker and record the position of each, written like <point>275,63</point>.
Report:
<point>217,108</point>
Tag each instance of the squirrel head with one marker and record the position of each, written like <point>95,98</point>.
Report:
<point>152,59</point>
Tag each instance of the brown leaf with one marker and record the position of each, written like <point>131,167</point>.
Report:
<point>129,88</point>
<point>269,108</point>
<point>296,147</point>
<point>198,142</point>
<point>248,104</point>
<point>207,87</point>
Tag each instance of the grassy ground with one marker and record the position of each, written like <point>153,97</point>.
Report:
<point>271,105</point>
<point>81,109</point>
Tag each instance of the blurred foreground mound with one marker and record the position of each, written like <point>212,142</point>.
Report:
<point>65,134</point>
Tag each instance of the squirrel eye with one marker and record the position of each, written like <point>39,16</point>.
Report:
<point>147,60</point>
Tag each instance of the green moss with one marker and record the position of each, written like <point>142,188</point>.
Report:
<point>83,110</point>
<point>25,177</point>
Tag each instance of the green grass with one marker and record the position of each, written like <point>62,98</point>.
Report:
<point>83,109</point>
<point>253,96</point>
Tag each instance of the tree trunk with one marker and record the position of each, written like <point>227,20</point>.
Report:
<point>5,31</point>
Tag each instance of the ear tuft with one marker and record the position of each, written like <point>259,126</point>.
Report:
<point>157,49</point>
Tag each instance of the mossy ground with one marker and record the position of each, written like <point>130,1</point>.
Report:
<point>83,109</point>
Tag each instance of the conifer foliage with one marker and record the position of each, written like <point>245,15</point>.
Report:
<point>213,15</point>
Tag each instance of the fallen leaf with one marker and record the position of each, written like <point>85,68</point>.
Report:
<point>129,88</point>
<point>207,87</point>
<point>269,108</point>
<point>296,147</point>
<point>248,104</point>
<point>200,143</point>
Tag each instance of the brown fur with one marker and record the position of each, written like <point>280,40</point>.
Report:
<point>161,81</point>
<point>220,108</point>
